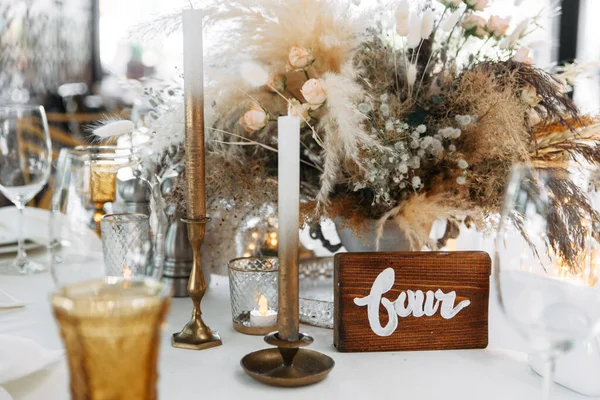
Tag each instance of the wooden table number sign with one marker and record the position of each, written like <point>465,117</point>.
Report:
<point>411,301</point>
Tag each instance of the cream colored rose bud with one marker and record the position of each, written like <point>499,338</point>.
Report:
<point>529,96</point>
<point>522,55</point>
<point>299,57</point>
<point>276,83</point>
<point>296,109</point>
<point>451,3</point>
<point>477,5</point>
<point>254,119</point>
<point>497,26</point>
<point>474,25</point>
<point>314,92</point>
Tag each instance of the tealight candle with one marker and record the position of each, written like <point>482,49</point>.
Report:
<point>263,316</point>
<point>253,288</point>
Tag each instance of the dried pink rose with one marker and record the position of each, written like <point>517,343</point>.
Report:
<point>314,92</point>
<point>254,119</point>
<point>299,58</point>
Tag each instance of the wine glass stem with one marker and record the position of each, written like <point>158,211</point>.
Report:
<point>21,255</point>
<point>548,380</point>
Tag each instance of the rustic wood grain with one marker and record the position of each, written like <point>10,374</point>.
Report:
<point>467,273</point>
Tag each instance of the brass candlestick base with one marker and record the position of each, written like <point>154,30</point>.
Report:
<point>195,335</point>
<point>287,365</point>
<point>252,330</point>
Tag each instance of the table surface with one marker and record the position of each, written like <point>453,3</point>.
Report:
<point>499,372</point>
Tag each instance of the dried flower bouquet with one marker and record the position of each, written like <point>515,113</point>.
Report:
<point>402,119</point>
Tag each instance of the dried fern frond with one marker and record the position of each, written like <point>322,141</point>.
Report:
<point>416,215</point>
<point>580,143</point>
<point>554,102</point>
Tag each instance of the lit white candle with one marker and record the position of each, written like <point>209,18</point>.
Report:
<point>263,316</point>
<point>289,226</point>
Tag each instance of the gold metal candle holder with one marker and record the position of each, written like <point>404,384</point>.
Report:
<point>195,335</point>
<point>287,365</point>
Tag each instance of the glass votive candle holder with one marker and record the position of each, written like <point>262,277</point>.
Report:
<point>254,293</point>
<point>127,245</point>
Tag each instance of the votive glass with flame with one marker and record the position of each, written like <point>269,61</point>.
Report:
<point>111,332</point>
<point>127,246</point>
<point>254,294</point>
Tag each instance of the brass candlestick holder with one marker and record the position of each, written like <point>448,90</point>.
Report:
<point>288,365</point>
<point>196,335</point>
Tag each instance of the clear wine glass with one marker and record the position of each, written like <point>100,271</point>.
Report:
<point>545,285</point>
<point>25,163</point>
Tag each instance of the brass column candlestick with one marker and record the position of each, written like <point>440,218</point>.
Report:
<point>195,335</point>
<point>288,365</point>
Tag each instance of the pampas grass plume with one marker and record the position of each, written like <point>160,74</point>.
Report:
<point>114,129</point>
<point>511,40</point>
<point>452,20</point>
<point>254,74</point>
<point>414,31</point>
<point>402,18</point>
<point>427,24</point>
<point>411,75</point>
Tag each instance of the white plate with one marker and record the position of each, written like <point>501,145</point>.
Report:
<point>10,247</point>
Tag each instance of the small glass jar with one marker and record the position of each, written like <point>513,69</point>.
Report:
<point>254,293</point>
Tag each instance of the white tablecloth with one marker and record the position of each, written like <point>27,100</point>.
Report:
<point>494,373</point>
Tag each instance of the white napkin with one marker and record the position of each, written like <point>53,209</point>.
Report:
<point>7,301</point>
<point>4,395</point>
<point>35,225</point>
<point>20,357</point>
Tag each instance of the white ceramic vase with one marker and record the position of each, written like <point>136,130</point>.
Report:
<point>393,238</point>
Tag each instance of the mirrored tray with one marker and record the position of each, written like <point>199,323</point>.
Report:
<point>316,292</point>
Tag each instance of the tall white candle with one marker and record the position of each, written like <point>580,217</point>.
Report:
<point>193,82</point>
<point>289,215</point>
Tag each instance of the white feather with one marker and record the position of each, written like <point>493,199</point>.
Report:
<point>113,129</point>
<point>427,24</point>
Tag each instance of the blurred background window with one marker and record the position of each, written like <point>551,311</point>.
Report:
<point>43,44</point>
<point>587,50</point>
<point>125,53</point>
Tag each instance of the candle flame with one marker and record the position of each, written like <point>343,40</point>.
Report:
<point>126,272</point>
<point>263,305</point>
